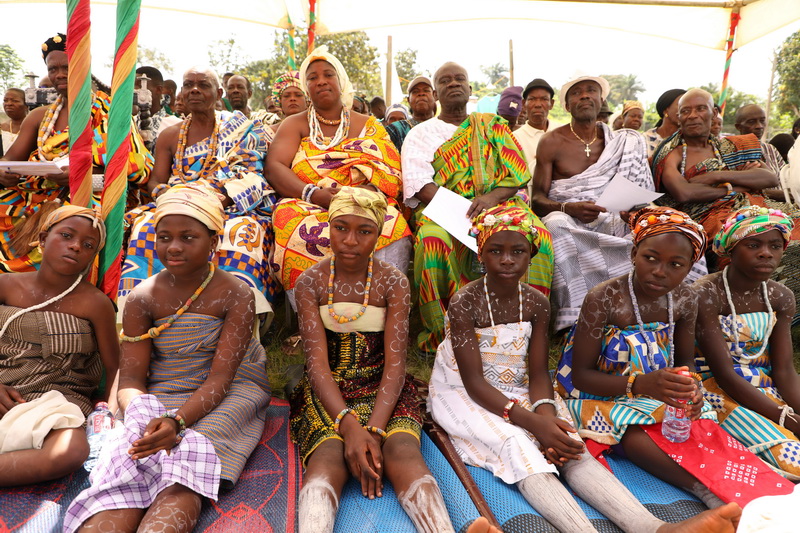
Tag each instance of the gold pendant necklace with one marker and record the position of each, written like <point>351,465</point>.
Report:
<point>587,149</point>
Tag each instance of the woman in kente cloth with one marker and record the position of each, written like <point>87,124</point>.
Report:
<point>744,339</point>
<point>193,384</point>
<point>356,412</point>
<point>491,391</point>
<point>57,336</point>
<point>625,360</point>
<point>287,96</point>
<point>313,155</point>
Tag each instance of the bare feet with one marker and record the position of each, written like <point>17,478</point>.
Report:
<point>482,525</point>
<point>720,520</point>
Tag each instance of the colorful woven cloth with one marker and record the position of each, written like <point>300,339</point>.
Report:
<point>749,221</point>
<point>43,351</point>
<point>356,362</point>
<point>236,170</point>
<point>26,198</point>
<point>302,233</point>
<point>775,444</point>
<point>119,482</point>
<point>283,82</point>
<point>480,156</point>
<point>652,221</point>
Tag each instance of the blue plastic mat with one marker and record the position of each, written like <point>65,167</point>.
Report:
<point>515,514</point>
<point>358,514</point>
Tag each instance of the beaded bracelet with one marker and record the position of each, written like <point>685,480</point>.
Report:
<point>181,425</point>
<point>507,409</point>
<point>304,193</point>
<point>729,186</point>
<point>337,422</point>
<point>786,410</point>
<point>543,401</point>
<point>563,207</point>
<point>377,431</point>
<point>629,386</point>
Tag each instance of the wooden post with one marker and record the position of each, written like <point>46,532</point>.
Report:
<point>388,92</point>
<point>769,92</point>
<point>511,62</point>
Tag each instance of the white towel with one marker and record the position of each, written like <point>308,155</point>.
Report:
<point>26,425</point>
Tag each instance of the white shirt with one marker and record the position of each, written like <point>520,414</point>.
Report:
<point>528,138</point>
<point>419,148</point>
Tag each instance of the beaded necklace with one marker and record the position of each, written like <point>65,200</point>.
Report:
<point>207,162</point>
<point>717,156</point>
<point>326,121</point>
<point>315,130</point>
<point>734,327</point>
<point>21,312</point>
<point>154,332</point>
<point>341,319</point>
<point>47,126</point>
<point>489,303</point>
<point>649,353</point>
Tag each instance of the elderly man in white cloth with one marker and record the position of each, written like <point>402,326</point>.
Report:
<point>574,165</point>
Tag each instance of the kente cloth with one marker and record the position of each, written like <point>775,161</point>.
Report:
<point>588,254</point>
<point>247,238</point>
<point>481,437</point>
<point>480,156</point>
<point>776,445</point>
<point>302,232</point>
<point>398,130</point>
<point>44,350</point>
<point>25,199</point>
<point>119,482</point>
<point>773,158</point>
<point>180,364</point>
<point>357,360</point>
<point>652,139</point>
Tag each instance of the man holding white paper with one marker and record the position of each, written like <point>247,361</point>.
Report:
<point>574,165</point>
<point>472,155</point>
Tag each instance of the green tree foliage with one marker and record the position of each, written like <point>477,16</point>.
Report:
<point>787,90</point>
<point>226,56</point>
<point>359,57</point>
<point>152,57</point>
<point>736,99</point>
<point>11,74</point>
<point>406,64</point>
<point>496,75</point>
<point>623,87</point>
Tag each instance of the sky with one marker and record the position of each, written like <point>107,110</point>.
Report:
<point>555,52</point>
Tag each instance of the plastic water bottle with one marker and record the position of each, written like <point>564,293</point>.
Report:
<point>677,424</point>
<point>100,420</point>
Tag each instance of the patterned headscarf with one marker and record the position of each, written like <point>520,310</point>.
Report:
<point>283,82</point>
<point>197,200</point>
<point>748,221</point>
<point>321,53</point>
<point>57,42</point>
<point>631,104</point>
<point>505,218</point>
<point>360,202</point>
<point>652,221</point>
<point>68,211</point>
<point>397,107</point>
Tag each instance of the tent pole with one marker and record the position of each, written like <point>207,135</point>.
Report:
<point>723,93</point>
<point>388,91</point>
<point>771,85</point>
<point>511,62</point>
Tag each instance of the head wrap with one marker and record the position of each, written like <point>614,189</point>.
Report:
<point>510,101</point>
<point>665,100</point>
<point>652,221</point>
<point>397,107</point>
<point>321,53</point>
<point>68,211</point>
<point>283,82</point>
<point>631,104</point>
<point>57,42</point>
<point>197,200</point>
<point>749,221</point>
<point>359,202</point>
<point>505,218</point>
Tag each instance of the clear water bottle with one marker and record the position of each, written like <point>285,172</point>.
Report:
<point>100,420</point>
<point>677,424</point>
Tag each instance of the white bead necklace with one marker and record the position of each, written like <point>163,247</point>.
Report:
<point>315,129</point>
<point>734,326</point>
<point>670,332</point>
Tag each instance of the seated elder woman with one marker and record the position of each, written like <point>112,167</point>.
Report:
<point>316,152</point>
<point>56,337</point>
<point>193,384</point>
<point>745,341</point>
<point>356,412</point>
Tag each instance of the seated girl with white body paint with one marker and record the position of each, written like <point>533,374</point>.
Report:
<point>193,382</point>
<point>355,412</point>
<point>491,391</point>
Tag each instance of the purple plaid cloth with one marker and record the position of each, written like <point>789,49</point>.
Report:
<point>118,482</point>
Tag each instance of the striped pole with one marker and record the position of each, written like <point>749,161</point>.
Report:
<point>723,93</point>
<point>119,144</point>
<point>292,48</point>
<point>79,101</point>
<point>312,24</point>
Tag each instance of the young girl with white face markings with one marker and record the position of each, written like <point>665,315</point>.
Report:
<point>745,342</point>
<point>193,384</point>
<point>491,391</point>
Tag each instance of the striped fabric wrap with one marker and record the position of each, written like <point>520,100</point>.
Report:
<point>79,100</point>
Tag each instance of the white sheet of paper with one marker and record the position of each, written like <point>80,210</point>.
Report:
<point>31,168</point>
<point>449,210</point>
<point>621,195</point>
